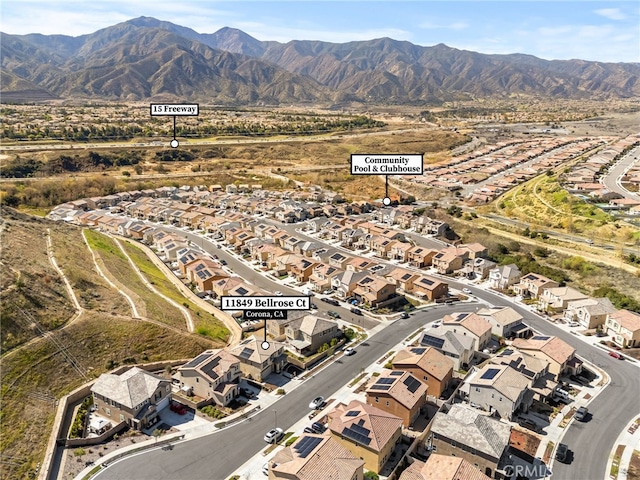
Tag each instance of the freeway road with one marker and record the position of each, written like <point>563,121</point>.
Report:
<point>217,456</point>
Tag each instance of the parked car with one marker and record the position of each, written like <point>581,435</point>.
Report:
<point>467,291</point>
<point>308,430</point>
<point>178,408</point>
<point>318,427</point>
<point>349,351</point>
<point>316,403</point>
<point>274,435</point>
<point>333,314</point>
<point>278,293</point>
<point>581,414</point>
<point>529,424</point>
<point>616,355</point>
<point>436,324</point>
<point>331,301</point>
<point>574,324</point>
<point>265,468</point>
<point>562,453</point>
<point>327,292</point>
<point>223,262</point>
<point>404,315</point>
<point>314,306</point>
<point>355,310</point>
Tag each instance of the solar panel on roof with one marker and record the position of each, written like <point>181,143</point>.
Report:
<point>306,445</point>
<point>246,353</point>
<point>242,291</point>
<point>490,373</point>
<point>208,368</point>
<point>426,281</point>
<point>385,381</point>
<point>406,275</point>
<point>432,341</point>
<point>355,436</point>
<point>418,351</point>
<point>396,373</point>
<point>540,337</point>
<point>380,387</point>
<point>352,413</point>
<point>199,359</point>
<point>412,384</point>
<point>358,428</point>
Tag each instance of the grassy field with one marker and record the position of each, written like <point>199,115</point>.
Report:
<point>149,304</point>
<point>29,389</point>
<point>92,291</point>
<point>31,291</point>
<point>205,323</point>
<point>543,202</point>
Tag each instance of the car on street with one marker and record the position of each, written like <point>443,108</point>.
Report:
<point>331,301</point>
<point>574,324</point>
<point>327,292</point>
<point>333,314</point>
<point>223,262</point>
<point>562,453</point>
<point>404,315</point>
<point>357,311</point>
<point>349,351</point>
<point>314,306</point>
<point>316,403</point>
<point>274,435</point>
<point>616,355</point>
<point>278,293</point>
<point>467,291</point>
<point>581,414</point>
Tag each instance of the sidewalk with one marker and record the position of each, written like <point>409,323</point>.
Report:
<point>629,440</point>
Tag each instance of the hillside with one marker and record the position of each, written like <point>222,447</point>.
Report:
<point>146,58</point>
<point>43,333</point>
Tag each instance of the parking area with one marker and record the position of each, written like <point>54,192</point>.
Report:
<point>175,421</point>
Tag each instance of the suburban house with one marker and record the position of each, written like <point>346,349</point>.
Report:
<point>420,257</point>
<point>366,431</point>
<point>428,365</point>
<point>442,467</point>
<point>505,322</point>
<point>457,347</point>
<point>533,285</point>
<point>257,363</point>
<point>374,290</point>
<point>398,393</point>
<point>501,389</point>
<point>213,375</point>
<point>556,299</point>
<point>430,287</point>
<point>134,397</point>
<point>307,334</point>
<point>624,327</point>
<point>541,382</point>
<point>321,277</point>
<point>559,354</point>
<point>450,259</point>
<point>478,268</point>
<point>469,324</point>
<point>471,435</point>
<point>346,282</point>
<point>302,269</point>
<point>313,457</point>
<point>590,312</point>
<point>402,278</point>
<point>501,278</point>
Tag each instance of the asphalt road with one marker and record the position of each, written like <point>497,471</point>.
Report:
<point>612,179</point>
<point>217,456</point>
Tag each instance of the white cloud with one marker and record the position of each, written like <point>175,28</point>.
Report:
<point>611,13</point>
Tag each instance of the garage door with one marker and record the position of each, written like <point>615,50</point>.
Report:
<point>163,403</point>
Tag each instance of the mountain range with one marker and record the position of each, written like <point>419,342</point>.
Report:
<point>150,59</point>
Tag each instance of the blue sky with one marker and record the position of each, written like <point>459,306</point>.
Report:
<point>607,31</point>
